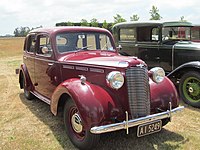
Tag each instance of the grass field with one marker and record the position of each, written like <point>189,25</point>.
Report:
<point>26,125</point>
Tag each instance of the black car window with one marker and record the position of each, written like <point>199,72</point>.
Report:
<point>176,33</point>
<point>155,34</point>
<point>31,43</point>
<point>127,34</point>
<point>144,34</point>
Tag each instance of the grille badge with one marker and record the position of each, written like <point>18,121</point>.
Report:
<point>140,65</point>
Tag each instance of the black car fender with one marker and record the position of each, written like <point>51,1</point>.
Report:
<point>189,66</point>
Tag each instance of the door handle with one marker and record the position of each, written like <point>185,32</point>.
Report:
<point>50,64</point>
<point>157,58</point>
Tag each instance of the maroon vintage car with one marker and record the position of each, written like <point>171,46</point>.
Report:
<point>80,70</point>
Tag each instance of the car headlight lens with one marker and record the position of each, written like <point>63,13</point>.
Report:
<point>115,79</point>
<point>158,74</point>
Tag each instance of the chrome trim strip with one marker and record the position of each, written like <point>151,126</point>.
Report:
<point>126,122</point>
<point>134,122</point>
<point>81,68</point>
<point>96,70</point>
<point>68,67</point>
<point>173,48</point>
<point>42,98</point>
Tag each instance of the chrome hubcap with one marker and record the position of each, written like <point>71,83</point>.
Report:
<point>191,90</point>
<point>76,123</point>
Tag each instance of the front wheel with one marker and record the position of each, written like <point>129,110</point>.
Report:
<point>74,126</point>
<point>189,88</point>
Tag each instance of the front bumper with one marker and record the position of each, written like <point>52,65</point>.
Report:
<point>135,122</point>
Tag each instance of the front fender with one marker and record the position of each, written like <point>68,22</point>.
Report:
<point>192,64</point>
<point>163,93</point>
<point>92,101</point>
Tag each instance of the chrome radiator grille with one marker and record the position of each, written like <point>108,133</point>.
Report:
<point>138,91</point>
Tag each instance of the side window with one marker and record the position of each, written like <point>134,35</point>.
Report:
<point>155,34</point>
<point>31,43</point>
<point>127,34</point>
<point>44,45</point>
<point>144,34</point>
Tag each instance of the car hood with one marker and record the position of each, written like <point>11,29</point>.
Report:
<point>187,45</point>
<point>100,58</point>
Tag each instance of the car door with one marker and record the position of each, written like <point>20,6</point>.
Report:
<point>148,45</point>
<point>45,67</point>
<point>165,52</point>
<point>29,56</point>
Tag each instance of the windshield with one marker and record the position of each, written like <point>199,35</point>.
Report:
<point>67,42</point>
<point>176,33</point>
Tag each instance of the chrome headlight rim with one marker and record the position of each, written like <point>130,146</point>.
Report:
<point>115,80</point>
<point>158,74</point>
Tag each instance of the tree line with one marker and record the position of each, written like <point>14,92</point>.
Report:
<point>23,31</point>
<point>154,13</point>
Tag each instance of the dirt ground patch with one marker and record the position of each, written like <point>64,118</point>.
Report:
<point>30,124</point>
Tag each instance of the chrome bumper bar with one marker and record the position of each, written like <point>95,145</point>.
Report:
<point>135,122</point>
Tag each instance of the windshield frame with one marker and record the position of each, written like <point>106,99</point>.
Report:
<point>176,33</point>
<point>83,34</point>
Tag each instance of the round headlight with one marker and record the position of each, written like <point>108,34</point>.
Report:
<point>158,74</point>
<point>115,79</point>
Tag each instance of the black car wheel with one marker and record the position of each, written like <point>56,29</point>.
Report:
<point>189,88</point>
<point>27,92</point>
<point>74,126</point>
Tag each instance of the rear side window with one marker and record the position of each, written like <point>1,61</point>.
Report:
<point>127,34</point>
<point>31,43</point>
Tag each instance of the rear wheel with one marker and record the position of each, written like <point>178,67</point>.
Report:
<point>27,92</point>
<point>189,88</point>
<point>79,136</point>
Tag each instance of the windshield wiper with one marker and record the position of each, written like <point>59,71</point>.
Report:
<point>84,48</point>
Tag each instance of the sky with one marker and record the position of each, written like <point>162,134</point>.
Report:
<point>34,13</point>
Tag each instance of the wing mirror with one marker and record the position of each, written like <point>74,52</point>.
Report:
<point>45,50</point>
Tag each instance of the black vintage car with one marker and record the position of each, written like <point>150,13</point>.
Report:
<point>168,45</point>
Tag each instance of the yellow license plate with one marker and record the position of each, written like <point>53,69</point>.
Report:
<point>149,128</point>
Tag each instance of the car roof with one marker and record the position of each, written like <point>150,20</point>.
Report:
<point>153,23</point>
<point>68,29</point>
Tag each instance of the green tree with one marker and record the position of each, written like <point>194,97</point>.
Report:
<point>84,22</point>
<point>16,32</point>
<point>69,23</point>
<point>94,22</point>
<point>21,31</point>
<point>105,24</point>
<point>154,12</point>
<point>118,18</point>
<point>134,17</point>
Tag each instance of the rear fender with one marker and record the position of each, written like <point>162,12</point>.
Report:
<point>93,102</point>
<point>24,75</point>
